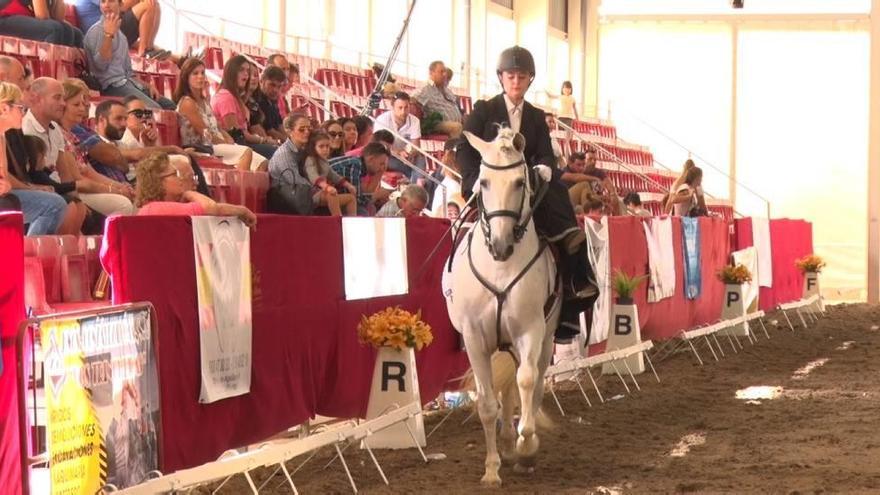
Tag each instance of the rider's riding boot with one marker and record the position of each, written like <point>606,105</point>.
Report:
<point>579,291</point>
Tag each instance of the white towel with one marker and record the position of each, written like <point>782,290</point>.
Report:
<point>761,241</point>
<point>661,259</point>
<point>597,250</point>
<point>748,257</point>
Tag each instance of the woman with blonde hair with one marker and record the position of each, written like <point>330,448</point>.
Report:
<point>43,210</point>
<point>668,197</point>
<point>164,188</point>
<point>100,193</point>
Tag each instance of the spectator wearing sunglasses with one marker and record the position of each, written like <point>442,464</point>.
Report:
<point>334,130</point>
<point>141,135</point>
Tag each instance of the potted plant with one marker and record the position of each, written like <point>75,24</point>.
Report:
<point>397,334</point>
<point>811,266</point>
<point>734,305</point>
<point>624,330</point>
<point>735,274</point>
<point>624,286</point>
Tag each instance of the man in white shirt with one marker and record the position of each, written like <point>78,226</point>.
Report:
<point>47,108</point>
<point>399,120</point>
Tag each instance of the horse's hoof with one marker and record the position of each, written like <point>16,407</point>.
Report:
<point>490,481</point>
<point>523,468</point>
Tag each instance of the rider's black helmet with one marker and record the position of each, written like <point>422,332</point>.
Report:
<point>516,58</point>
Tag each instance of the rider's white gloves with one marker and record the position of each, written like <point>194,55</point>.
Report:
<point>545,172</point>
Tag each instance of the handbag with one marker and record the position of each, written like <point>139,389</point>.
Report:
<point>87,77</point>
<point>288,199</point>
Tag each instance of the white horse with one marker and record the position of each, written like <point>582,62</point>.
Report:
<point>502,276</point>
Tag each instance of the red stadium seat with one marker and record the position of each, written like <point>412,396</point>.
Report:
<point>35,286</point>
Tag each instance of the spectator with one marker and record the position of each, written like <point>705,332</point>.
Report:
<point>401,121</point>
<point>453,210</point>
<point>38,20</point>
<point>381,136</point>
<point>230,106</point>
<point>365,173</point>
<point>140,135</point>
<point>448,180</point>
<point>100,193</point>
<point>334,130</point>
<point>43,210</point>
<point>77,212</point>
<point>587,181</point>
<point>290,191</point>
<point>687,201</point>
<point>267,96</point>
<point>162,189</point>
<point>100,146</point>
<point>688,165</point>
<point>139,22</point>
<point>13,72</point>
<point>557,149</point>
<point>109,61</point>
<point>567,107</point>
<point>47,108</point>
<point>436,97</point>
<point>449,75</point>
<point>293,74</point>
<point>349,133</point>
<point>409,204</point>
<point>198,126</point>
<point>364,127</point>
<point>325,182</point>
<point>280,60</point>
<point>633,204</point>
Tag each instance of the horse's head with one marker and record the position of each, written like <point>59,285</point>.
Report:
<point>504,190</point>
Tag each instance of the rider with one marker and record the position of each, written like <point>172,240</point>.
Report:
<point>554,216</point>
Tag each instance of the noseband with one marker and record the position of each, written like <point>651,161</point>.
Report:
<point>521,226</point>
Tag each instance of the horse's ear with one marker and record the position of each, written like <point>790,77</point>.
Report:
<point>476,142</point>
<point>519,142</point>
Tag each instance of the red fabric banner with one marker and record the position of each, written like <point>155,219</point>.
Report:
<point>789,241</point>
<point>307,359</point>
<point>667,318</point>
<point>11,315</point>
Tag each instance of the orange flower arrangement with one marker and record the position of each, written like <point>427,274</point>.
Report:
<point>395,327</point>
<point>737,274</point>
<point>810,263</point>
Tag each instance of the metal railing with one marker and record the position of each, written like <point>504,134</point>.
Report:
<point>622,164</point>
<point>694,155</point>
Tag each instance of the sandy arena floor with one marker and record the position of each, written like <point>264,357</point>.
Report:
<point>820,435</point>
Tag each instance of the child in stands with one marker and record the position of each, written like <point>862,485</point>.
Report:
<point>325,181</point>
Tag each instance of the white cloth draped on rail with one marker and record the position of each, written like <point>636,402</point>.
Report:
<point>761,241</point>
<point>597,250</point>
<point>748,257</point>
<point>661,258</point>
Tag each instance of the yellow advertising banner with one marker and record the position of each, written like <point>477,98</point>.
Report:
<point>102,401</point>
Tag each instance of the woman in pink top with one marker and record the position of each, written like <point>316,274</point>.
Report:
<point>230,108</point>
<point>164,188</point>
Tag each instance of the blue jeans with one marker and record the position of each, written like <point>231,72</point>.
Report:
<point>398,166</point>
<point>43,211</point>
<point>48,30</point>
<point>131,88</point>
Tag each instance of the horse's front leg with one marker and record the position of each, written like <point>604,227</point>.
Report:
<point>509,402</point>
<point>527,378</point>
<point>487,402</point>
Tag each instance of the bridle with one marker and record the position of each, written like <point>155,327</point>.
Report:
<point>522,221</point>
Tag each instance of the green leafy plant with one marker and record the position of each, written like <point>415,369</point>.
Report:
<point>624,285</point>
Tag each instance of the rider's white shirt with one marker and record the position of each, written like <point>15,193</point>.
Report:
<point>514,112</point>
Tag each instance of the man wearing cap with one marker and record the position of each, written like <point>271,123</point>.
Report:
<point>554,216</point>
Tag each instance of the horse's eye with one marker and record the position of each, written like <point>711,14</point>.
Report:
<point>520,183</point>
<point>484,183</point>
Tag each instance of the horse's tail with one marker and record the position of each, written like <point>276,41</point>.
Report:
<point>504,382</point>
